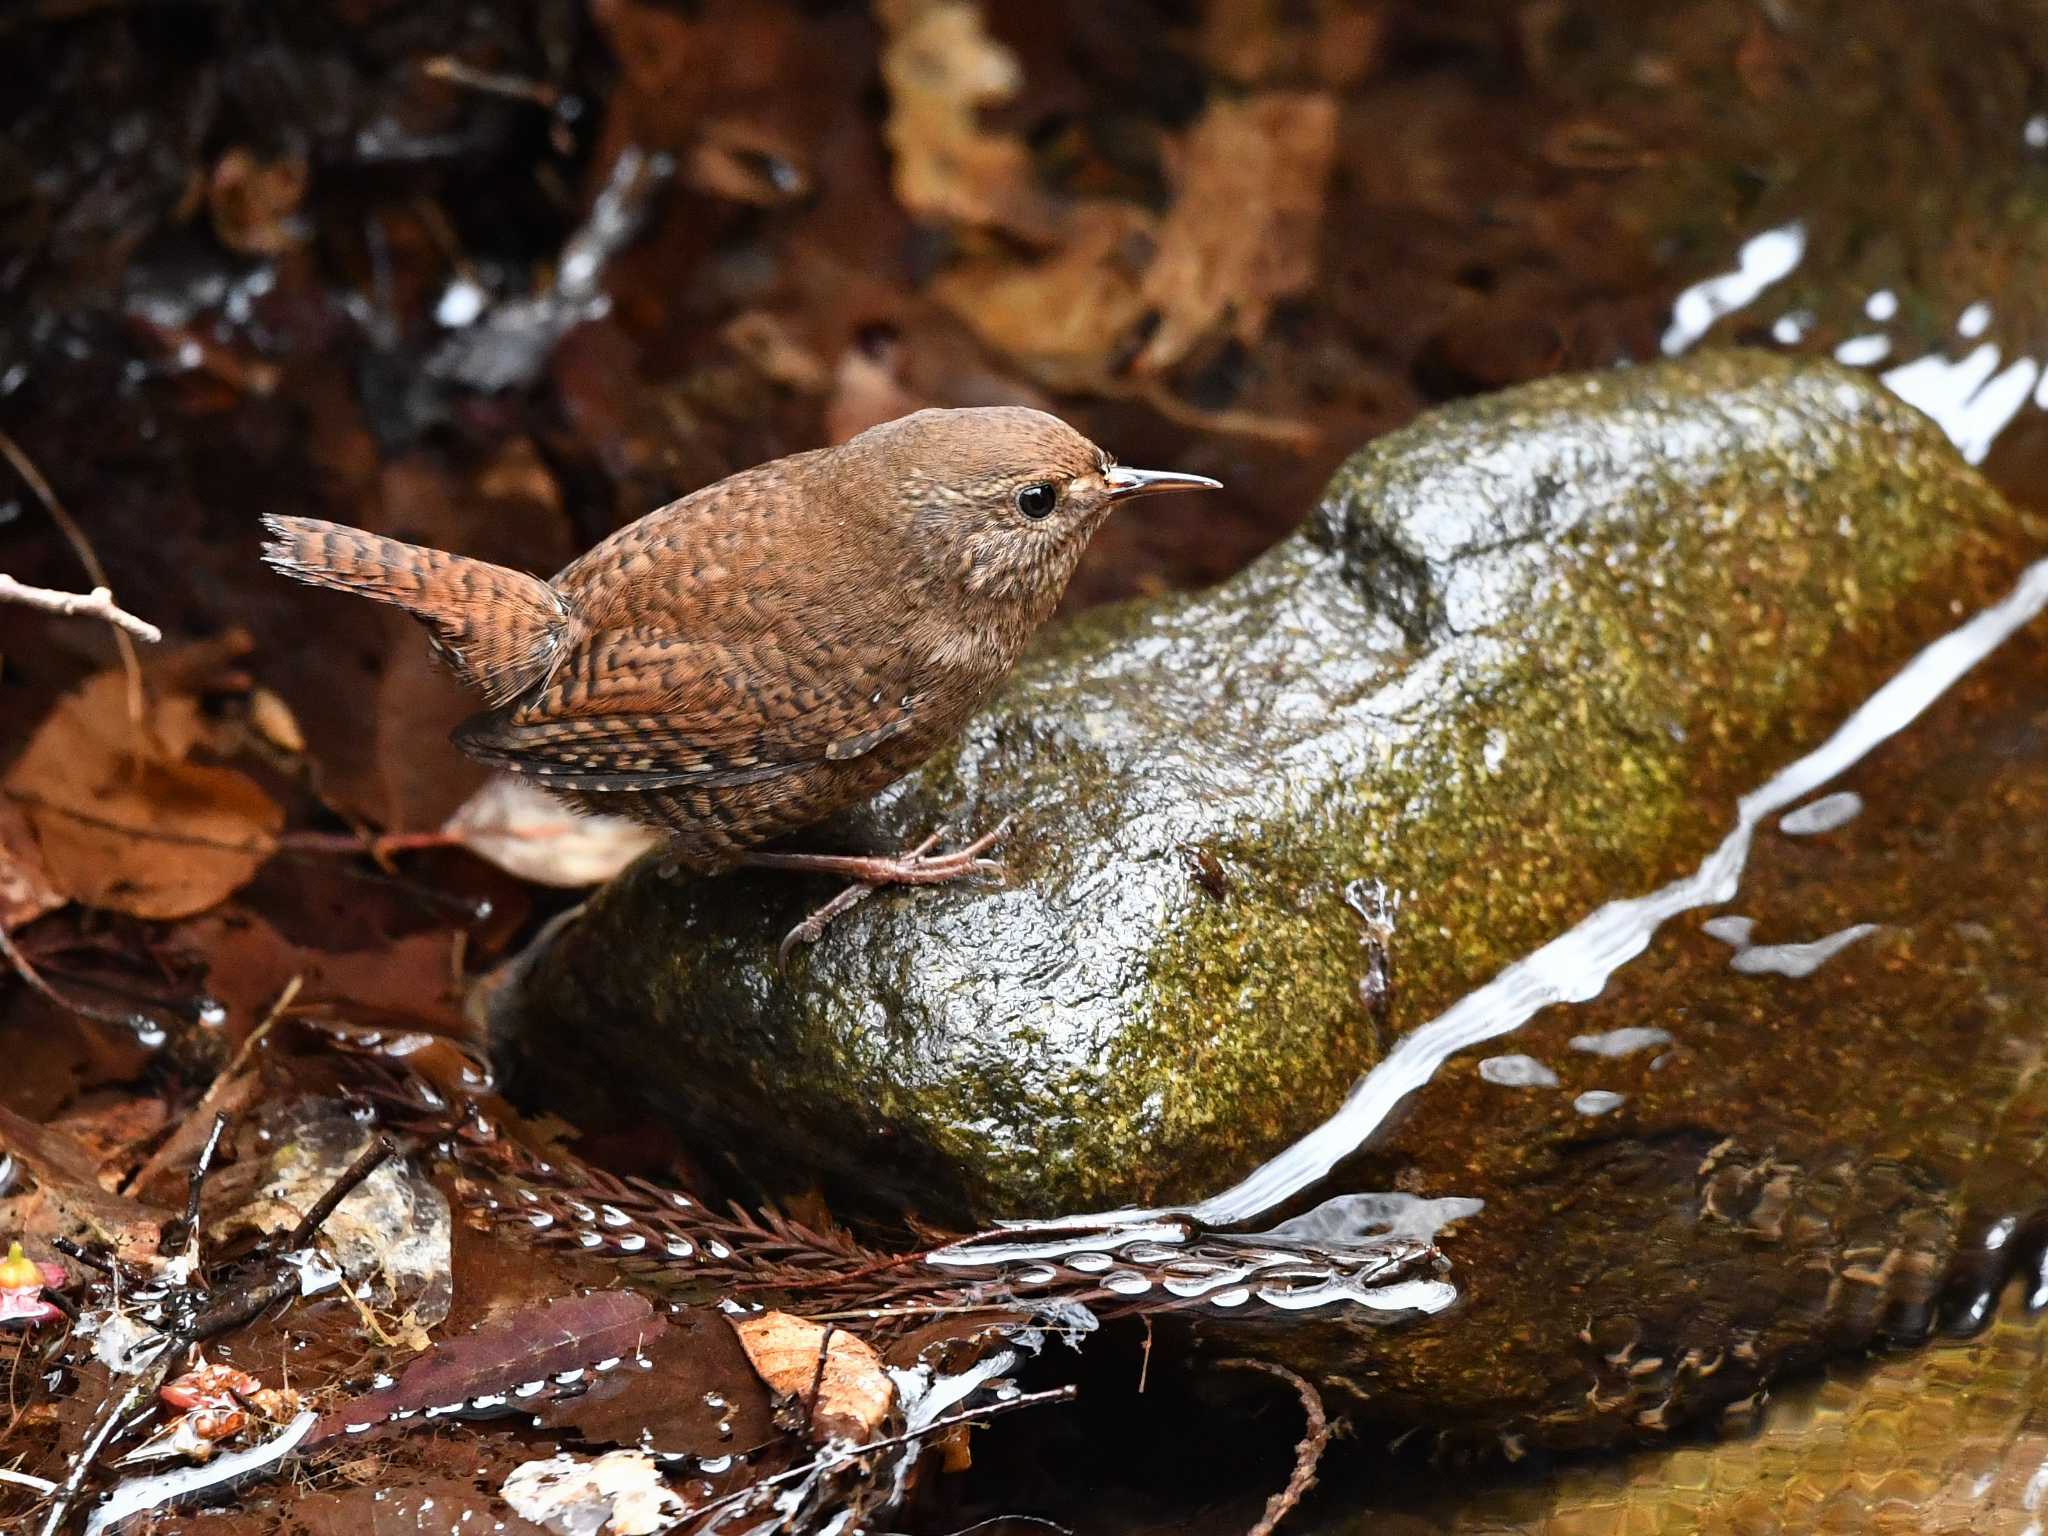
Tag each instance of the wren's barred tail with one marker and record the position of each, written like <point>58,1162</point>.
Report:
<point>498,628</point>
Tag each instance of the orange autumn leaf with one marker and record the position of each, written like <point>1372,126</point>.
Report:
<point>123,821</point>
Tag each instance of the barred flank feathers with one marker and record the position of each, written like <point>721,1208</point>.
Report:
<point>497,628</point>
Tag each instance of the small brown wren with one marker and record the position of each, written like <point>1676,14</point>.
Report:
<point>747,660</point>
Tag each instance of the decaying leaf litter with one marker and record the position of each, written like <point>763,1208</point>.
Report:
<point>500,282</point>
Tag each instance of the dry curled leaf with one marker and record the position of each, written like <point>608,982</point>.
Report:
<point>527,832</point>
<point>619,1493</point>
<point>67,1179</point>
<point>26,890</point>
<point>854,1393</point>
<point>1066,318</point>
<point>1242,232</point>
<point>942,69</point>
<point>253,201</point>
<point>123,821</point>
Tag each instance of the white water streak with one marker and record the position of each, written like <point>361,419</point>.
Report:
<point>1576,966</point>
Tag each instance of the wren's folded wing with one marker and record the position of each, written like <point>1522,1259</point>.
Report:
<point>648,709</point>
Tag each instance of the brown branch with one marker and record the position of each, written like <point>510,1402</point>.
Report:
<point>200,1169</point>
<point>96,604</point>
<point>1307,1455</point>
<point>372,1157</point>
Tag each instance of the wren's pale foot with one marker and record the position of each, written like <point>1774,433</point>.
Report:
<point>870,872</point>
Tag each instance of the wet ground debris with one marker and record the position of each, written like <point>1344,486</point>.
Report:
<point>185,1315</point>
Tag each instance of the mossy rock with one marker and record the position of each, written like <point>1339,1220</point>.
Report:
<point>1523,656</point>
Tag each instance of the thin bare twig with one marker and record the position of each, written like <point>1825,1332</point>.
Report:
<point>843,1455</point>
<point>1307,1455</point>
<point>96,604</point>
<point>519,88</point>
<point>173,1145</point>
<point>818,1380</point>
<point>115,1412</point>
<point>84,1255</point>
<point>367,1162</point>
<point>200,1169</point>
<point>81,546</point>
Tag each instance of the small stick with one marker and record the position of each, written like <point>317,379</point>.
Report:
<point>200,1169</point>
<point>367,1162</point>
<point>1307,1455</point>
<point>455,72</point>
<point>85,1256</point>
<point>840,1458</point>
<point>96,604</point>
<point>818,1379</point>
<point>114,1413</point>
<point>87,557</point>
<point>236,1310</point>
<point>266,1289</point>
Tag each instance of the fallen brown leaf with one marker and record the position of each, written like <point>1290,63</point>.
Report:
<point>854,1393</point>
<point>527,832</point>
<point>68,1179</point>
<point>572,1334</point>
<point>252,202</point>
<point>407,1507</point>
<point>697,1395</point>
<point>1242,231</point>
<point>942,68</point>
<point>122,821</point>
<point>26,890</point>
<point>1069,317</point>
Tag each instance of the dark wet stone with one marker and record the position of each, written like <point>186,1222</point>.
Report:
<point>1524,656</point>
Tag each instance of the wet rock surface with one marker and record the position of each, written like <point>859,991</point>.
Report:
<point>1815,1163</point>
<point>1523,657</point>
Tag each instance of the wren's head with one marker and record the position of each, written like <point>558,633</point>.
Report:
<point>1001,500</point>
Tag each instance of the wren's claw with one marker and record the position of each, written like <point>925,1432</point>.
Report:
<point>919,867</point>
<point>872,872</point>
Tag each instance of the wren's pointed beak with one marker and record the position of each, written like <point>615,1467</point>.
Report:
<point>1126,483</point>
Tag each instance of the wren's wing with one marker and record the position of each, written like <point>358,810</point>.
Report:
<point>650,709</point>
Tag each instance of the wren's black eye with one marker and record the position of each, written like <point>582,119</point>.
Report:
<point>1038,499</point>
